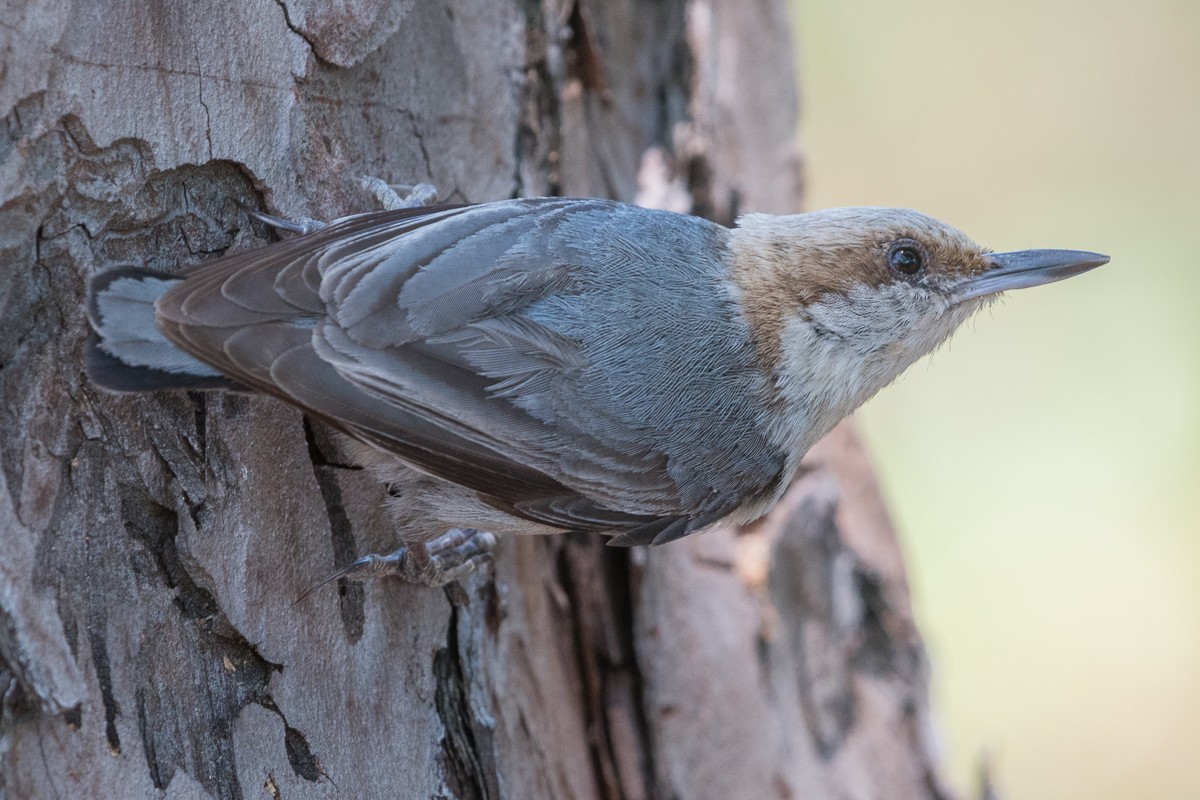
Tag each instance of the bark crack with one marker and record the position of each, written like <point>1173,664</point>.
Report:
<point>539,127</point>
<point>300,756</point>
<point>15,697</point>
<point>468,754</point>
<point>598,581</point>
<point>351,595</point>
<point>226,669</point>
<point>308,41</point>
<point>204,105</point>
<point>103,667</point>
<point>164,70</point>
<point>416,134</point>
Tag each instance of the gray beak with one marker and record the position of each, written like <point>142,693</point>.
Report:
<point>1027,268</point>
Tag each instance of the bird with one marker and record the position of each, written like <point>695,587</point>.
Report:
<point>541,365</point>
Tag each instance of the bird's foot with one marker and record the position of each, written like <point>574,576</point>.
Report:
<point>415,195</point>
<point>300,225</point>
<point>389,195</point>
<point>453,555</point>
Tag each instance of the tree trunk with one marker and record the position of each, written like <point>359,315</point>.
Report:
<point>153,547</point>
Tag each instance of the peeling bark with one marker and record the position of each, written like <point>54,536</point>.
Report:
<point>154,546</point>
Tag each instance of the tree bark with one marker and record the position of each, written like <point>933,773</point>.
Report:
<point>153,547</point>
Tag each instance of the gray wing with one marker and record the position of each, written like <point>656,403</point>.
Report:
<point>518,348</point>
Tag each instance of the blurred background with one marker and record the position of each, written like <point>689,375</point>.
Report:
<point>1044,469</point>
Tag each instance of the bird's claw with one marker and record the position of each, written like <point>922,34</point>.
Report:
<point>451,556</point>
<point>415,195</point>
<point>300,225</point>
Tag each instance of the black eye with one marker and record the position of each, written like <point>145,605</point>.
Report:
<point>906,259</point>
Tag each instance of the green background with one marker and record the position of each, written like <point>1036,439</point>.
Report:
<point>1044,468</point>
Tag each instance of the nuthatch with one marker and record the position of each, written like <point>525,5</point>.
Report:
<point>544,365</point>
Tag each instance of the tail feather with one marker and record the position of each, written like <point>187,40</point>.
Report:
<point>128,353</point>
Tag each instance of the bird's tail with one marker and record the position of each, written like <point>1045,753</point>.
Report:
<point>128,352</point>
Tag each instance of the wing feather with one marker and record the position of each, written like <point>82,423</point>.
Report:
<point>447,336</point>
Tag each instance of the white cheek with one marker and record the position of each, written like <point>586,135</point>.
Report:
<point>849,347</point>
<point>866,319</point>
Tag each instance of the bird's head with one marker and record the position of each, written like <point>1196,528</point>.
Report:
<point>839,302</point>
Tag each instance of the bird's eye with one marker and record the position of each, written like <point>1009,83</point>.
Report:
<point>906,259</point>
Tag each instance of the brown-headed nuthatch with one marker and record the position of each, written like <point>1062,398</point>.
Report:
<point>544,365</point>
